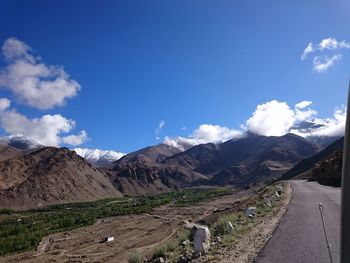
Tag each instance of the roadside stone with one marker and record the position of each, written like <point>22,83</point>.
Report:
<point>193,231</point>
<point>250,211</point>
<point>279,189</point>
<point>268,202</point>
<point>229,227</point>
<point>185,243</point>
<point>159,260</point>
<point>202,239</point>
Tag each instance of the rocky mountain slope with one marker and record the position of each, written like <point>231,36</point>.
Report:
<point>329,170</point>
<point>240,162</point>
<point>309,163</point>
<point>51,176</point>
<point>8,152</point>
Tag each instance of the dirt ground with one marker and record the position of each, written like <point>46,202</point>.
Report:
<point>134,232</point>
<point>246,248</point>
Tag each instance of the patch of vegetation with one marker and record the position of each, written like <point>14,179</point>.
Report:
<point>135,257</point>
<point>190,197</point>
<point>242,224</point>
<point>183,235</point>
<point>21,231</point>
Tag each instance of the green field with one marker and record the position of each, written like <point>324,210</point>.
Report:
<point>21,231</point>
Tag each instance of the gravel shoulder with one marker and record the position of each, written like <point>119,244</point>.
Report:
<point>246,247</point>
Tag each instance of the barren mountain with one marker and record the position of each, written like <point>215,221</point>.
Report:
<point>142,172</point>
<point>8,152</point>
<point>310,162</point>
<point>246,160</point>
<point>329,170</point>
<point>239,162</point>
<point>151,154</point>
<point>51,176</point>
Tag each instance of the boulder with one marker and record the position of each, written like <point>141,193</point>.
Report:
<point>279,189</point>
<point>202,239</point>
<point>159,260</point>
<point>268,201</point>
<point>229,227</point>
<point>250,211</point>
<point>185,243</point>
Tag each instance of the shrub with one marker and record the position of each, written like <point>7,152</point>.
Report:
<point>184,235</point>
<point>170,246</point>
<point>159,252</point>
<point>135,257</point>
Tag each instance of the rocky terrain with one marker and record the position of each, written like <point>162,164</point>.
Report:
<point>240,162</point>
<point>324,167</point>
<point>310,162</point>
<point>8,152</point>
<point>329,170</point>
<point>51,176</point>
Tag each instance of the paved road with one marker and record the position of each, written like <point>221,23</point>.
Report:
<point>299,237</point>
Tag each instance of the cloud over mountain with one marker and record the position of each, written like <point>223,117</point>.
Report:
<point>272,118</point>
<point>203,134</point>
<point>40,86</point>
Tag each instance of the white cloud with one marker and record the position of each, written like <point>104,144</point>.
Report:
<point>328,43</point>
<point>47,130</point>
<point>205,133</point>
<point>14,49</point>
<point>31,81</point>
<point>180,143</point>
<point>276,118</point>
<point>328,127</point>
<point>158,130</point>
<point>303,104</point>
<point>322,64</point>
<point>307,50</point>
<point>213,133</point>
<point>272,118</point>
<point>76,139</point>
<point>332,44</point>
<point>4,104</point>
<point>329,49</point>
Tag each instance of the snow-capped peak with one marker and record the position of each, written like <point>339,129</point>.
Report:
<point>99,157</point>
<point>21,142</point>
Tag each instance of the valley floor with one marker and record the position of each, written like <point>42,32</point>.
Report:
<point>141,233</point>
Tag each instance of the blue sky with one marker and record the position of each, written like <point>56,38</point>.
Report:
<point>184,62</point>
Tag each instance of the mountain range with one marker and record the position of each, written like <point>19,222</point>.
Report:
<point>49,175</point>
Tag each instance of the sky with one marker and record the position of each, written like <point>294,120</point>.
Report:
<point>123,75</point>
